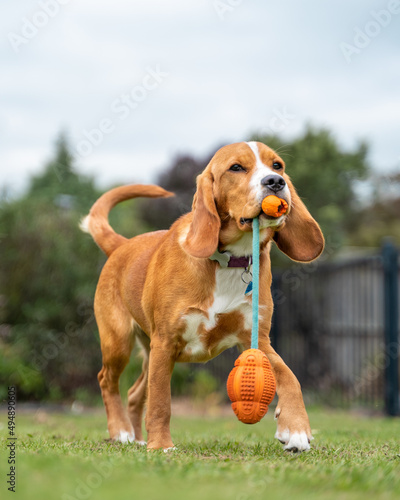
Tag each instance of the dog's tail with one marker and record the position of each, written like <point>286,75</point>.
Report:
<point>96,223</point>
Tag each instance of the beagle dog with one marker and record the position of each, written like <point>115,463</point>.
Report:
<point>179,293</point>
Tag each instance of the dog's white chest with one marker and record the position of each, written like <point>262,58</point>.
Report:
<point>229,296</point>
<point>229,293</point>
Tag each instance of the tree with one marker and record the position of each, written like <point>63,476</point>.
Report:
<point>180,178</point>
<point>61,184</point>
<point>380,218</point>
<point>48,273</point>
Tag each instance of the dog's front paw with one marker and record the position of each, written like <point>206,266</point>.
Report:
<point>293,441</point>
<point>293,429</point>
<point>124,437</point>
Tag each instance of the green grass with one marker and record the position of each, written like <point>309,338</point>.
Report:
<point>68,457</point>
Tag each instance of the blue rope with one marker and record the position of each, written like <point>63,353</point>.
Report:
<point>256,273</point>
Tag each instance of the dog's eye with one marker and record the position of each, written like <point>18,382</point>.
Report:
<point>277,165</point>
<point>237,168</point>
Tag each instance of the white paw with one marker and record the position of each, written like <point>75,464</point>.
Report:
<point>171,448</point>
<point>125,437</point>
<point>283,436</point>
<point>297,441</point>
<point>142,443</point>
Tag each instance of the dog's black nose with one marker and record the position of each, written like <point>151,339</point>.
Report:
<point>274,182</point>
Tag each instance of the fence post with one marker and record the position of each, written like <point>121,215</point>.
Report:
<point>391,326</point>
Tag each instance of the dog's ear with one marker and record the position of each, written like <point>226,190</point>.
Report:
<point>202,238</point>
<point>300,238</point>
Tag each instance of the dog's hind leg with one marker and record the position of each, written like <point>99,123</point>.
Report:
<point>138,392</point>
<point>117,339</point>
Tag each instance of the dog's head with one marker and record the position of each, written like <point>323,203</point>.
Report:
<point>229,196</point>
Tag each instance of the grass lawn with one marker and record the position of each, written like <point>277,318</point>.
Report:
<point>64,457</point>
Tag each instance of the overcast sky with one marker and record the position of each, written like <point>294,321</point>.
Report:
<point>161,78</point>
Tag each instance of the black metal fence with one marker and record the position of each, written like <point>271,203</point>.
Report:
<point>336,325</point>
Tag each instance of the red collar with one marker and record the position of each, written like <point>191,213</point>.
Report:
<point>240,261</point>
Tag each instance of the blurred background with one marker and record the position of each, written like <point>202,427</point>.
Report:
<point>95,95</point>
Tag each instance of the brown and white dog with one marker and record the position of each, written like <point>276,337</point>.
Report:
<point>179,292</point>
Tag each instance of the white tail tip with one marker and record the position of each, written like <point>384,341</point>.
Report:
<point>84,224</point>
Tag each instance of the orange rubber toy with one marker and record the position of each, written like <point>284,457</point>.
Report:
<point>251,386</point>
<point>274,206</point>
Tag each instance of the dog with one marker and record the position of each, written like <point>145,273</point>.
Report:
<point>180,294</point>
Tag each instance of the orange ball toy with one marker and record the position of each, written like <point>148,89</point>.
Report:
<point>274,206</point>
<point>251,386</point>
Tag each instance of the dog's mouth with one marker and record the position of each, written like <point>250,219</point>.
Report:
<point>274,216</point>
<point>246,223</point>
